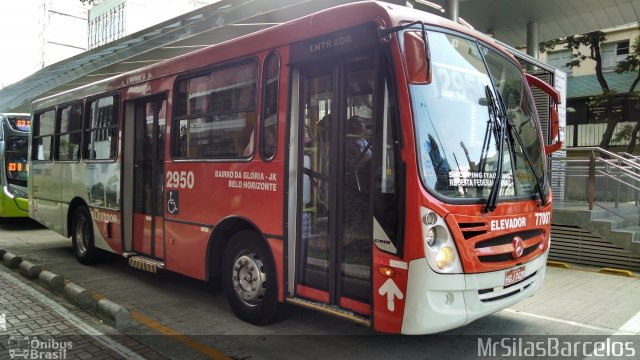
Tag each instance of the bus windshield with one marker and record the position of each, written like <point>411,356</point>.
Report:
<point>16,159</point>
<point>457,136</point>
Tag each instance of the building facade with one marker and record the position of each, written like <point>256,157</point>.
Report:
<point>110,20</point>
<point>62,31</point>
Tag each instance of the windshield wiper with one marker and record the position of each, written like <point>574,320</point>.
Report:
<point>498,121</point>
<point>525,153</point>
<point>490,130</point>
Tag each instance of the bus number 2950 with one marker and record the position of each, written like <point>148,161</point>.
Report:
<point>180,179</point>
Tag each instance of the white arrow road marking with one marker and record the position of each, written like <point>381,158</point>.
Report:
<point>392,291</point>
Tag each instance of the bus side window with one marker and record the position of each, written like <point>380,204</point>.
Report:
<point>101,129</point>
<point>43,129</point>
<point>269,135</point>
<point>215,114</point>
<point>69,133</point>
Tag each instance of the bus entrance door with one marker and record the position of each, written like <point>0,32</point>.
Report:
<point>337,128</point>
<point>148,177</point>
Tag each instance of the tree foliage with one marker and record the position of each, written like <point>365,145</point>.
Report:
<point>592,42</point>
<point>629,64</point>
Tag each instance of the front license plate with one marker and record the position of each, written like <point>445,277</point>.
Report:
<point>513,276</point>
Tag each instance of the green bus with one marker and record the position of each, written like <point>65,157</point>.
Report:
<point>14,147</point>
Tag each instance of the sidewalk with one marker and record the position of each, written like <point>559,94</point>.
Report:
<point>35,324</point>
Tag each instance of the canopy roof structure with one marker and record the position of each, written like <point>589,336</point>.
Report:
<point>587,85</point>
<point>506,20</point>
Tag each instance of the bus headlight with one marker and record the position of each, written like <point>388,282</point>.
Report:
<point>445,257</point>
<point>431,237</point>
<point>439,246</point>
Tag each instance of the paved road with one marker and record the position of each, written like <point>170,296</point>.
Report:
<point>36,324</point>
<point>196,321</point>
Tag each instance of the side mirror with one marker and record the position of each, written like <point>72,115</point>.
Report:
<point>553,111</point>
<point>416,58</point>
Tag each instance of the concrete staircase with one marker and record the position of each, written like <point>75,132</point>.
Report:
<point>596,237</point>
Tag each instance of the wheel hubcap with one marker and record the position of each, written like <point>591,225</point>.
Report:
<point>249,278</point>
<point>81,236</point>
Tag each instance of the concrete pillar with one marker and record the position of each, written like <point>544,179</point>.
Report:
<point>452,9</point>
<point>533,42</point>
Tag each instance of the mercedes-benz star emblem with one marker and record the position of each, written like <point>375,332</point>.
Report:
<point>518,247</point>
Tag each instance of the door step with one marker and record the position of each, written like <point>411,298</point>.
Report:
<point>145,263</point>
<point>331,310</point>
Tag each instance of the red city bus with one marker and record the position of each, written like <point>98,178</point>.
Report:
<point>370,161</point>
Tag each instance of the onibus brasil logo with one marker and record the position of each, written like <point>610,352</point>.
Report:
<point>25,347</point>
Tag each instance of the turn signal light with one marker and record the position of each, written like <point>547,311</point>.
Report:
<point>387,271</point>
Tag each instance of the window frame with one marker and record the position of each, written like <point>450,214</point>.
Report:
<point>175,118</point>
<point>36,120</point>
<point>609,53</point>
<point>85,129</point>
<point>263,105</point>
<point>58,133</point>
<point>564,67</point>
<point>386,81</point>
<point>627,46</point>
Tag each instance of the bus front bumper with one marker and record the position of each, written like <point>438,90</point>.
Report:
<point>13,207</point>
<point>439,302</point>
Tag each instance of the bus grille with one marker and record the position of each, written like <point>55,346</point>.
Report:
<point>499,249</point>
<point>473,229</point>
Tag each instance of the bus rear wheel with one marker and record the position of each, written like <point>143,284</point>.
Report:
<point>249,279</point>
<point>82,237</point>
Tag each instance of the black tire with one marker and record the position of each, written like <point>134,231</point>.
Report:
<point>249,278</point>
<point>82,237</point>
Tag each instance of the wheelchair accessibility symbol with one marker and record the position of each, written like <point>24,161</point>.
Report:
<point>172,202</point>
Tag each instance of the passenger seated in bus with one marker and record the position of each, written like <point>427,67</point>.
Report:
<point>358,152</point>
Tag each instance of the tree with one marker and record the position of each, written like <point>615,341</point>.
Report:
<point>593,42</point>
<point>632,63</point>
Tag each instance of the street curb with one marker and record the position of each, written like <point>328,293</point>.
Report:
<point>12,261</point>
<point>81,297</point>
<point>618,272</point>
<point>558,264</point>
<point>51,281</point>
<point>113,313</point>
<point>30,270</point>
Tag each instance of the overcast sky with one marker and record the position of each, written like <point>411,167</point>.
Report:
<point>18,40</point>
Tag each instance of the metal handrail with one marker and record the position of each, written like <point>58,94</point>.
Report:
<point>635,158</point>
<point>621,173</point>
<point>627,171</point>
<point>607,153</point>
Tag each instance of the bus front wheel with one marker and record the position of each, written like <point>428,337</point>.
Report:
<point>249,279</point>
<point>82,237</point>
